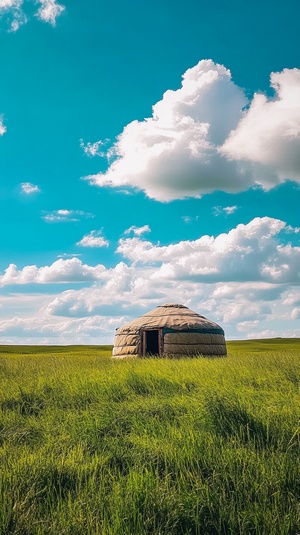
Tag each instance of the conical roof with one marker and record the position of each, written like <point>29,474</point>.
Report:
<point>172,316</point>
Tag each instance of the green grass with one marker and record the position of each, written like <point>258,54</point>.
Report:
<point>95,446</point>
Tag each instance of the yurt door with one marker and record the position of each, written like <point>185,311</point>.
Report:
<point>151,342</point>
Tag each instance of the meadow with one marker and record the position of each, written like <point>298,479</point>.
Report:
<point>95,446</point>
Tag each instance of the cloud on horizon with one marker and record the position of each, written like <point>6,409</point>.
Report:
<point>206,136</point>
<point>246,279</point>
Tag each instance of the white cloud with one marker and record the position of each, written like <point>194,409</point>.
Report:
<point>189,219</point>
<point>227,210</point>
<point>247,252</point>
<point>253,291</point>
<point>28,188</point>
<point>269,132</point>
<point>48,11</point>
<point>6,4</point>
<point>44,329</point>
<point>237,312</point>
<point>201,138</point>
<point>292,298</point>
<point>59,216</point>
<point>15,14</point>
<point>61,271</point>
<point>138,231</point>
<point>93,239</point>
<point>2,126</point>
<point>295,313</point>
<point>247,280</point>
<point>295,230</point>
<point>251,252</point>
<point>174,154</point>
<point>69,255</point>
<point>92,149</point>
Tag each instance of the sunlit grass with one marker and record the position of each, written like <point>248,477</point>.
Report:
<point>91,445</point>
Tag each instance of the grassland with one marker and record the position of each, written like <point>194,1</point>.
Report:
<point>95,446</point>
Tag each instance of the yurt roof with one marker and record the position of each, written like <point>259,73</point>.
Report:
<point>172,316</point>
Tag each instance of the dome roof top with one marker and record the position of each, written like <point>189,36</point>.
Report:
<point>173,316</point>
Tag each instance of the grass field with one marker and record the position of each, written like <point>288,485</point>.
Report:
<point>95,446</point>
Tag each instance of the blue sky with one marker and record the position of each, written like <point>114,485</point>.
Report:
<point>149,153</point>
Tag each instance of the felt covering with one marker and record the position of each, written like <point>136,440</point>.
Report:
<point>179,331</point>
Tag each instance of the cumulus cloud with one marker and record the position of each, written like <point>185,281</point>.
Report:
<point>269,132</point>
<point>60,216</point>
<point>138,231</point>
<point>2,126</point>
<point>61,271</point>
<point>28,188</point>
<point>174,153</point>
<point>247,280</point>
<point>247,252</point>
<point>44,329</point>
<point>93,239</point>
<point>254,291</point>
<point>13,10</point>
<point>202,138</point>
<point>251,252</point>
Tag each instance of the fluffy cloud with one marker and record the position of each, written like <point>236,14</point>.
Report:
<point>295,313</point>
<point>61,271</point>
<point>269,132</point>
<point>202,138</point>
<point>247,280</point>
<point>59,216</point>
<point>247,252</point>
<point>93,239</point>
<point>14,12</point>
<point>45,329</point>
<point>293,298</point>
<point>28,188</point>
<point>48,11</point>
<point>174,154</point>
<point>6,4</point>
<point>87,315</point>
<point>138,231</point>
<point>251,252</point>
<point>2,126</point>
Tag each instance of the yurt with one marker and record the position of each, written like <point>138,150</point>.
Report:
<point>169,329</point>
